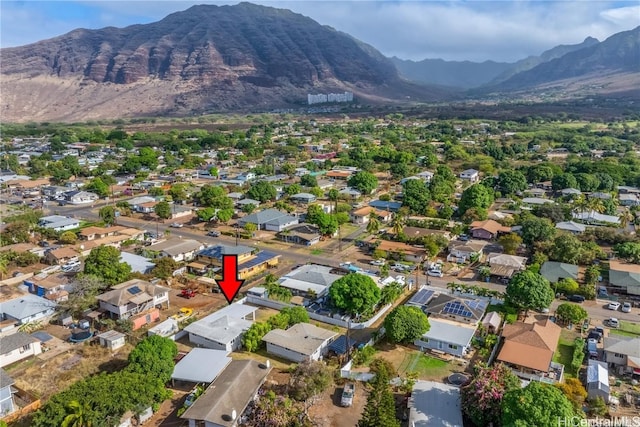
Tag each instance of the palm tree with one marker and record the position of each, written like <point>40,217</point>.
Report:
<point>78,416</point>
<point>625,218</point>
<point>580,204</point>
<point>594,204</point>
<point>4,267</point>
<point>397,224</point>
<point>373,226</point>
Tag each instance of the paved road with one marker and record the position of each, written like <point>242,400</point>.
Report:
<point>596,309</point>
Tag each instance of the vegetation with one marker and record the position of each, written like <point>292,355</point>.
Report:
<point>528,290</point>
<point>572,313</point>
<point>104,262</point>
<point>355,293</point>
<point>380,410</point>
<point>405,324</point>
<point>537,404</point>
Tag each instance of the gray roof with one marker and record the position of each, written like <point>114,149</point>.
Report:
<point>303,196</point>
<point>218,250</point>
<point>624,278</point>
<point>450,332</point>
<point>201,365</point>
<point>445,305</point>
<point>26,306</point>
<point>435,404</point>
<point>248,202</point>
<point>138,263</point>
<point>5,379</point>
<point>570,191</point>
<point>175,247</point>
<point>554,271</point>
<point>313,273</point>
<point>571,226</point>
<point>134,291</point>
<point>262,217</point>
<point>597,372</point>
<point>536,201</point>
<point>15,341</point>
<point>223,325</point>
<point>234,388</point>
<point>303,338</point>
<point>626,346</point>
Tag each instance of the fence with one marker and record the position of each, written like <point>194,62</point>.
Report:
<point>32,405</point>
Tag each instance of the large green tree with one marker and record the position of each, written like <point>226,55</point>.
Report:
<point>309,379</point>
<point>537,405</point>
<point>570,312</point>
<point>380,410</point>
<point>252,338</point>
<point>363,181</point>
<point>104,263</point>
<point>511,182</point>
<point>213,196</point>
<point>415,196</point>
<point>262,191</point>
<point>476,196</point>
<point>154,356</point>
<point>107,215</point>
<point>355,293</point>
<point>528,290</point>
<point>163,210</point>
<point>405,324</point>
<point>481,399</point>
<point>536,229</point>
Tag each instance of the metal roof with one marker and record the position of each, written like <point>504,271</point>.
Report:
<point>201,365</point>
<point>26,306</point>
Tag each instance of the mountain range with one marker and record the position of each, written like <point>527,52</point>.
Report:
<point>256,58</point>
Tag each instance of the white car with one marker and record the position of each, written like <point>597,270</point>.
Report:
<point>613,322</point>
<point>435,273</point>
<point>613,306</point>
<point>626,307</point>
<point>176,225</point>
<point>378,262</point>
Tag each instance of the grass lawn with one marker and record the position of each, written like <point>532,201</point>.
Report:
<point>317,251</point>
<point>564,355</point>
<point>509,314</point>
<point>630,327</point>
<point>427,367</point>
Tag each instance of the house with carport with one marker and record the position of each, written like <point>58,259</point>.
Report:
<point>223,329</point>
<point>269,219</point>
<point>300,343</point>
<point>251,261</point>
<point>505,266</point>
<point>625,277</point>
<point>301,234</point>
<point>555,271</point>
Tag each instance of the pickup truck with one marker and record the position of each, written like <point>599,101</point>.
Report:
<point>347,394</point>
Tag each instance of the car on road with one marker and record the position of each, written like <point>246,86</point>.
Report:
<point>177,225</point>
<point>613,306</point>
<point>213,233</point>
<point>378,262</point>
<point>434,273</point>
<point>576,298</point>
<point>626,307</point>
<point>612,322</point>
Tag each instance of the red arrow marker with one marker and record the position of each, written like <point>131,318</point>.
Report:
<point>230,284</point>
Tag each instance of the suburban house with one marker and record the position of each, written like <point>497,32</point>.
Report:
<point>311,279</point>
<point>301,342</point>
<point>401,251</point>
<point>59,222</point>
<point>597,380</point>
<point>138,263</point>
<point>570,192</point>
<point>51,287</point>
<point>463,252</point>
<point>26,308</point>
<point>434,404</point>
<point>93,232</point>
<point>470,175</point>
<point>596,218</point>
<point>622,354</point>
<point>488,229</point>
<point>303,198</point>
<point>504,265</point>
<point>555,271</point>
<point>223,329</point>
<point>419,232</point>
<point>625,277</point>
<point>245,202</point>
<point>16,347</point>
<point>385,205</point>
<point>628,200</point>
<point>531,202</point>
<point>176,249</point>
<point>224,401</point>
<point>7,404</point>
<point>136,300</point>
<point>447,336</point>
<point>528,349</point>
<point>491,322</point>
<point>80,197</point>
<point>464,310</point>
<point>61,255</point>
<point>571,227</point>
<point>250,260</point>
<point>269,219</point>
<point>200,365</point>
<point>361,216</point>
<point>301,234</point>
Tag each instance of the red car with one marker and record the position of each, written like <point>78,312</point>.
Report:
<point>188,293</point>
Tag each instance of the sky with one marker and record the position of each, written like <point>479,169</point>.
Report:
<point>456,30</point>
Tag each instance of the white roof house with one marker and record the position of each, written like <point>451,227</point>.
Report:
<point>447,336</point>
<point>27,308</point>
<point>59,222</point>
<point>593,217</point>
<point>435,404</point>
<point>178,249</point>
<point>201,365</point>
<point>223,329</point>
<point>301,342</point>
<point>313,277</point>
<point>598,380</point>
<point>571,226</point>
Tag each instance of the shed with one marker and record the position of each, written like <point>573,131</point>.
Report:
<point>491,322</point>
<point>113,340</point>
<point>598,380</point>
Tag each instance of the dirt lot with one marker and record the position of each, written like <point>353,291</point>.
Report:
<point>327,412</point>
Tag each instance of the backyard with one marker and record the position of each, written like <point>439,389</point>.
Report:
<point>407,360</point>
<point>627,329</point>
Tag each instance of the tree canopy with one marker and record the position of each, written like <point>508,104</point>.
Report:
<point>154,356</point>
<point>262,191</point>
<point>570,312</point>
<point>415,196</point>
<point>476,196</point>
<point>355,293</point>
<point>528,290</point>
<point>537,405</point>
<point>363,181</point>
<point>536,229</point>
<point>104,262</point>
<point>380,410</point>
<point>163,210</point>
<point>405,324</point>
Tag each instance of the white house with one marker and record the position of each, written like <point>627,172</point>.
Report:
<point>133,297</point>
<point>59,222</point>
<point>470,175</point>
<point>299,343</point>
<point>223,329</point>
<point>81,197</point>
<point>177,249</point>
<point>16,347</point>
<point>26,308</point>
<point>447,336</point>
<point>7,405</point>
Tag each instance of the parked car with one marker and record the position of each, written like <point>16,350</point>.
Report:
<point>347,394</point>
<point>43,243</point>
<point>626,307</point>
<point>213,233</point>
<point>595,335</point>
<point>613,322</point>
<point>435,273</point>
<point>176,225</point>
<point>592,348</point>
<point>576,298</point>
<point>585,324</point>
<point>613,306</point>
<point>378,262</point>
<point>463,237</point>
<point>602,291</point>
<point>191,397</point>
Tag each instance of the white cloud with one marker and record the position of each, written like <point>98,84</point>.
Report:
<point>459,30</point>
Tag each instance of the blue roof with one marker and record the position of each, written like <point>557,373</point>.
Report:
<point>219,250</point>
<point>387,206</point>
<point>42,336</point>
<point>339,345</point>
<point>260,258</point>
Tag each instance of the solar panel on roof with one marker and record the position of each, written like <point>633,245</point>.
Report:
<point>456,308</point>
<point>477,304</point>
<point>422,296</point>
<point>134,290</point>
